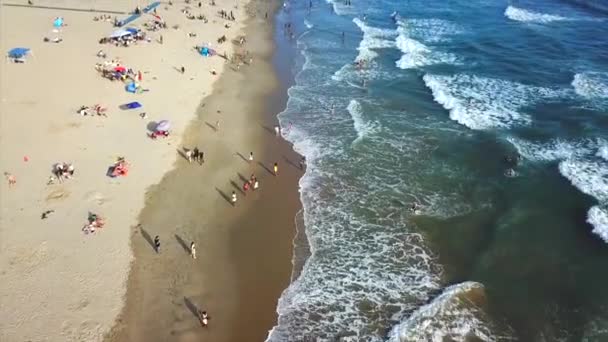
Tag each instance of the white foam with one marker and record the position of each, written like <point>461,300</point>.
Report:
<point>598,218</point>
<point>430,30</point>
<point>591,85</point>
<point>602,151</point>
<point>416,54</point>
<point>484,103</point>
<point>451,316</point>
<point>373,38</point>
<point>362,126</point>
<point>555,150</point>
<point>308,24</point>
<point>527,16</point>
<point>589,176</point>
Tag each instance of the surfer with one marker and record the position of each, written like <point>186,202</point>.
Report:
<point>394,16</point>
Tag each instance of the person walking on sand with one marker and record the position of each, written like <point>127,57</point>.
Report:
<point>217,125</point>
<point>12,180</point>
<point>276,169</point>
<point>302,163</point>
<point>157,244</point>
<point>233,199</point>
<point>250,157</point>
<point>203,317</point>
<point>196,154</point>
<point>160,40</point>
<point>193,250</point>
<point>189,154</point>
<point>256,184</point>
<point>277,130</point>
<point>246,186</point>
<point>183,70</point>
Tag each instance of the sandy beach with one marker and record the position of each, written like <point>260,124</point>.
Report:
<point>244,252</point>
<point>60,284</point>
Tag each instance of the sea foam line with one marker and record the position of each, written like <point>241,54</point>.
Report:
<point>527,16</point>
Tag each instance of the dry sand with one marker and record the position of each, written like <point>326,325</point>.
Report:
<point>244,252</point>
<point>57,284</point>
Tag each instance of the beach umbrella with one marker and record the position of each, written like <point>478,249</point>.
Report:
<point>18,52</point>
<point>132,30</point>
<point>131,88</point>
<point>58,22</point>
<point>164,125</point>
<point>120,68</point>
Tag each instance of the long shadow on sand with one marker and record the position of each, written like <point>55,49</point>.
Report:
<point>243,178</point>
<point>266,168</point>
<point>291,163</point>
<point>182,243</point>
<point>223,194</point>
<point>268,129</point>
<point>236,186</point>
<point>211,126</point>
<point>147,236</point>
<point>191,306</point>
<point>242,156</point>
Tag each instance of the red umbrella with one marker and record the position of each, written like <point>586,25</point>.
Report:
<point>120,69</point>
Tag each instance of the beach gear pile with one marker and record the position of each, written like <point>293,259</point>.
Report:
<point>161,129</point>
<point>205,51</point>
<point>120,168</point>
<point>94,222</point>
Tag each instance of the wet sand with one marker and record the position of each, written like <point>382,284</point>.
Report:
<point>243,252</point>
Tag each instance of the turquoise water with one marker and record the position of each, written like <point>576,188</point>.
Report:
<point>449,90</point>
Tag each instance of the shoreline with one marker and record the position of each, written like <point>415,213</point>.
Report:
<point>244,258</point>
<point>57,283</point>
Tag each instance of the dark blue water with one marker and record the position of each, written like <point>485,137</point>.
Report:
<point>497,249</point>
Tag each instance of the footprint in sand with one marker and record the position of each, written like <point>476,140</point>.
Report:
<point>95,197</point>
<point>57,195</point>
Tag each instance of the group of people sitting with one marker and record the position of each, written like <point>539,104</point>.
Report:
<point>63,171</point>
<point>97,109</point>
<point>120,168</point>
<point>125,40</point>
<point>159,133</point>
<point>94,221</point>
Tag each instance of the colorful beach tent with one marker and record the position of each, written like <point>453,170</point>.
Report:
<point>18,52</point>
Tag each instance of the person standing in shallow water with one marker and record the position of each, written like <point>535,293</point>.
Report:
<point>157,244</point>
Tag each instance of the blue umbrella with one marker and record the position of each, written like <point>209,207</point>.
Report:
<point>58,22</point>
<point>132,30</point>
<point>18,52</point>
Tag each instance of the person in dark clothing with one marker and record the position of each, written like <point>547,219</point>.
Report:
<point>157,244</point>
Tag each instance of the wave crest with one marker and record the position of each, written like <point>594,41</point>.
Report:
<point>527,16</point>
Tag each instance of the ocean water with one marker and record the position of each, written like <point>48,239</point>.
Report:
<point>448,90</point>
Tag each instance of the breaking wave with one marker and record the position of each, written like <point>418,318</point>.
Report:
<point>527,16</point>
